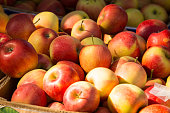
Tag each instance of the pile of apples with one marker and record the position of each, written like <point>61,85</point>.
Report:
<point>84,65</point>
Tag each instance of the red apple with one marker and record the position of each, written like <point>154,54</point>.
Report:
<point>69,4</point>
<point>155,92</point>
<point>20,26</point>
<point>30,94</point>
<point>64,47</point>
<point>26,5</point>
<point>124,43</point>
<point>112,19</point>
<point>71,18</point>
<point>81,96</point>
<point>157,58</point>
<point>86,28</point>
<point>4,38</point>
<point>22,58</point>
<point>93,56</point>
<point>102,110</point>
<point>147,27</point>
<point>44,62</point>
<point>162,38</point>
<point>41,39</point>
<point>155,108</point>
<point>57,79</point>
<point>8,2</point>
<point>77,67</point>
<point>54,6</point>
<point>57,106</point>
<point>91,7</point>
<point>34,76</point>
<point>152,81</point>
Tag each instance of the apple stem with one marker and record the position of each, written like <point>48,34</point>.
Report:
<point>151,74</point>
<point>37,21</point>
<point>81,25</point>
<point>136,59</point>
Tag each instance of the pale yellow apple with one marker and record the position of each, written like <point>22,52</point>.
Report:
<point>92,41</point>
<point>103,79</point>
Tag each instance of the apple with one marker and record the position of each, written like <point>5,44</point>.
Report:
<point>93,56</point>
<point>4,19</point>
<point>164,3</point>
<point>41,39</point>
<point>54,6</point>
<point>20,26</point>
<point>147,27</point>
<point>46,19</point>
<point>142,3</point>
<point>102,110</point>
<point>118,62</point>
<point>69,4</point>
<point>151,82</point>
<point>77,67</point>
<point>25,5</point>
<point>71,18</point>
<point>22,58</point>
<point>30,94</point>
<point>124,43</point>
<point>157,58</point>
<point>155,108</point>
<point>65,47</point>
<point>57,106</point>
<point>92,41</point>
<point>8,2</point>
<point>168,81</point>
<point>103,79</point>
<point>112,19</point>
<point>44,62</point>
<point>154,11</point>
<point>86,28</point>
<point>126,74</point>
<point>107,38</point>
<point>126,4</point>
<point>57,79</point>
<point>161,38</point>
<point>91,7</point>
<point>156,94</point>
<point>135,17</point>
<point>4,38</point>
<point>34,76</point>
<point>81,96</point>
<point>2,9</point>
<point>126,98</point>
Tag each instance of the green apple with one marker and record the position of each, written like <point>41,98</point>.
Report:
<point>154,11</point>
<point>125,4</point>
<point>135,17</point>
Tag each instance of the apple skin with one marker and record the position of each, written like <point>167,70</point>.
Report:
<point>30,94</point>
<point>165,4</point>
<point>155,108</point>
<point>25,5</point>
<point>70,49</point>
<point>57,79</point>
<point>54,6</point>
<point>142,3</point>
<point>91,7</point>
<point>126,4</point>
<point>112,19</point>
<point>81,96</point>
<point>77,67</point>
<point>132,99</point>
<point>4,38</point>
<point>107,38</point>
<point>22,58</point>
<point>147,27</point>
<point>155,11</point>
<point>162,38</point>
<point>126,74</point>
<point>57,106</point>
<point>86,28</point>
<point>103,79</point>
<point>46,19</point>
<point>8,2</point>
<point>102,110</point>
<point>93,56</point>
<point>152,81</point>
<point>69,4</point>
<point>152,99</point>
<point>156,58</point>
<point>34,76</point>
<point>118,62</point>
<point>124,43</point>
<point>44,62</point>
<point>92,41</point>
<point>4,19</point>
<point>168,81</point>
<point>15,27</point>
<point>41,39</point>
<point>71,18</point>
